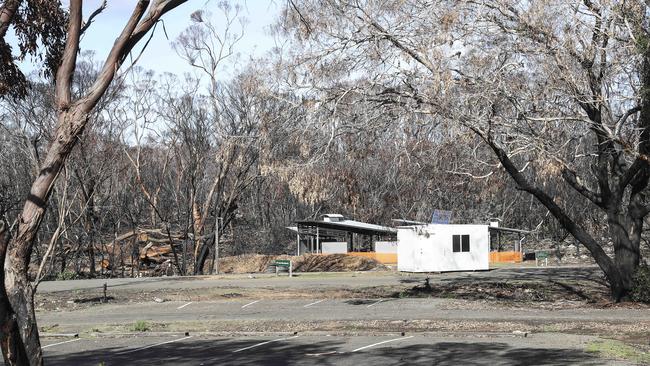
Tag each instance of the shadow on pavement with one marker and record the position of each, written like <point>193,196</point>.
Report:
<point>589,274</point>
<point>518,284</point>
<point>216,352</point>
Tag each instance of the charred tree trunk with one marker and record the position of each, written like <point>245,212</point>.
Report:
<point>202,257</point>
<point>626,228</point>
<point>180,269</point>
<point>626,237</point>
<point>617,280</point>
<point>91,225</point>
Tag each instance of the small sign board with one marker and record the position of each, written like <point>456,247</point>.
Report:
<point>542,254</point>
<point>282,262</point>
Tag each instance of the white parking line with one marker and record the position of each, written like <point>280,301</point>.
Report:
<point>182,306</point>
<point>313,303</point>
<point>322,353</point>
<point>155,345</point>
<point>250,303</point>
<point>375,303</point>
<point>64,342</point>
<point>263,343</point>
<point>382,342</point>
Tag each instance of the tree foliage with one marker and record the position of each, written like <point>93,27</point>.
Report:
<point>40,28</point>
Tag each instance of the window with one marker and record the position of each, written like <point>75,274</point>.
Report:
<point>465,243</point>
<point>460,243</point>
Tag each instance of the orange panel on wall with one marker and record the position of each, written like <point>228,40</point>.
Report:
<point>505,257</point>
<point>385,258</point>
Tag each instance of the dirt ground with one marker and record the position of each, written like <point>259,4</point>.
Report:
<point>500,288</point>
<point>258,263</point>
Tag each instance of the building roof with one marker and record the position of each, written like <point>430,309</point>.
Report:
<point>292,228</point>
<point>519,231</point>
<point>339,216</point>
<point>353,226</point>
<point>409,222</point>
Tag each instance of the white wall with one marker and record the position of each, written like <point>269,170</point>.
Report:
<point>331,247</point>
<point>429,248</point>
<point>386,246</point>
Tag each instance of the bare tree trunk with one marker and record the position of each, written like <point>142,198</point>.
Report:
<point>91,224</point>
<point>202,257</point>
<point>171,244</point>
<point>626,255</point>
<point>612,271</point>
<point>13,350</point>
<point>19,290</point>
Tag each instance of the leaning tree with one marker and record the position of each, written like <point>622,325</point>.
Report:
<point>51,34</point>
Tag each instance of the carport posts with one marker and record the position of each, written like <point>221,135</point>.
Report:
<point>298,243</point>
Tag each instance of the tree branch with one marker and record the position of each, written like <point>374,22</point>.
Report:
<point>134,30</point>
<point>621,121</point>
<point>69,61</point>
<point>397,43</point>
<point>302,18</point>
<point>111,65</point>
<point>92,16</point>
<point>573,180</point>
<point>7,12</point>
<point>603,260</point>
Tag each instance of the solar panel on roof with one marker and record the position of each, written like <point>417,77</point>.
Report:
<point>441,217</point>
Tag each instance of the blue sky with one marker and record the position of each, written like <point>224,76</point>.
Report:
<point>159,55</point>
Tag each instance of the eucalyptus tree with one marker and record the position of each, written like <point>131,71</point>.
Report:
<point>20,340</point>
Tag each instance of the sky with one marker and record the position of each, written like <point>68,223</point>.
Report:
<point>159,55</point>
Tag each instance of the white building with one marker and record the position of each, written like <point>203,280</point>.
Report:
<point>443,247</point>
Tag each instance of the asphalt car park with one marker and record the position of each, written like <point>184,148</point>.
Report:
<point>321,349</point>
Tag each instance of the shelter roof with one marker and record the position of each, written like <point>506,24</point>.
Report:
<point>353,226</point>
<point>511,230</point>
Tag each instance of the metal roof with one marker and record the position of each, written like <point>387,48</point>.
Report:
<point>409,222</point>
<point>372,229</point>
<point>498,228</point>
<point>351,226</point>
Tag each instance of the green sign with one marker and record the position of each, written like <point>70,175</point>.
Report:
<point>541,255</point>
<point>282,262</point>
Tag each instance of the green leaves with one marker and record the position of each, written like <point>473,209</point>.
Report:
<point>40,29</point>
